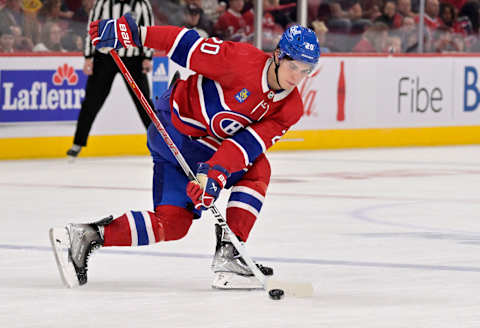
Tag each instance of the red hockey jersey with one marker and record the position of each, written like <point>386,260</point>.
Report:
<point>229,98</point>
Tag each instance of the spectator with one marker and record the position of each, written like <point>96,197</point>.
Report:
<point>373,39</point>
<point>324,12</point>
<point>80,17</point>
<point>52,11</point>
<point>12,18</point>
<point>430,19</point>
<point>471,11</point>
<point>192,18</point>
<point>447,14</point>
<point>338,37</point>
<point>409,34</point>
<point>213,9</point>
<point>283,16</point>
<point>448,17</point>
<point>388,13</point>
<point>394,44</point>
<point>459,42</point>
<point>458,4</point>
<point>312,10</point>
<point>179,18</point>
<point>50,39</point>
<point>72,42</point>
<point>336,10</point>
<point>163,11</point>
<point>23,44</point>
<point>231,25</point>
<point>81,14</point>
<point>358,24</point>
<point>472,44</point>
<point>338,18</point>
<point>7,41</point>
<point>49,13</point>
<point>31,25</point>
<point>443,40</point>
<point>12,14</point>
<point>354,11</point>
<point>271,31</point>
<point>355,15</point>
<point>371,8</point>
<point>404,9</point>
<point>321,31</point>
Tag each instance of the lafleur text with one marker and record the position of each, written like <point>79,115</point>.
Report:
<point>40,98</point>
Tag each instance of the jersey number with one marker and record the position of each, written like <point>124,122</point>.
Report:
<point>211,48</point>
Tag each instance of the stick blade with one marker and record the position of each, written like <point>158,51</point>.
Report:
<point>291,288</point>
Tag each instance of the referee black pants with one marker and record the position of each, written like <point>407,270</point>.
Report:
<point>98,87</point>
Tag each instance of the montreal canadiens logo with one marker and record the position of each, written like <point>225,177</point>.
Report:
<point>292,32</point>
<point>65,72</point>
<point>226,124</point>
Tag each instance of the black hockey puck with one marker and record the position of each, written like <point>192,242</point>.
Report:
<point>276,294</point>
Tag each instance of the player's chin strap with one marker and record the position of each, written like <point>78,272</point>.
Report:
<point>276,69</point>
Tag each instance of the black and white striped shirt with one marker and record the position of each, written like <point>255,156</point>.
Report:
<point>108,9</point>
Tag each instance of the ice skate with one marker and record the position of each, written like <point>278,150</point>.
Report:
<point>72,247</point>
<point>73,152</point>
<point>231,271</point>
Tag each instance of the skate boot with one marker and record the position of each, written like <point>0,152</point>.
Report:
<point>79,241</point>
<point>231,271</point>
<point>74,151</point>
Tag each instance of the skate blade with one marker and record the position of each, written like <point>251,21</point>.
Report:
<point>60,241</point>
<point>232,281</point>
<point>291,288</point>
<point>71,159</point>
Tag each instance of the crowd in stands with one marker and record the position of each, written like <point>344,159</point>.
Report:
<point>341,25</point>
<point>43,25</point>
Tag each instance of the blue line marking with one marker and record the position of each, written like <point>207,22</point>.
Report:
<point>269,259</point>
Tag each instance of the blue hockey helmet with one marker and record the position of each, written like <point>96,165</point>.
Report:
<point>299,43</point>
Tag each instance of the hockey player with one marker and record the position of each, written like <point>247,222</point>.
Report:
<point>223,119</point>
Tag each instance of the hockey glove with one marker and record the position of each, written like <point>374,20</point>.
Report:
<point>115,33</point>
<point>211,180</point>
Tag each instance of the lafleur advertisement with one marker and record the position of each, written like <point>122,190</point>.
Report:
<point>41,95</point>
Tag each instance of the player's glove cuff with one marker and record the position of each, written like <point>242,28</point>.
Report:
<point>211,180</point>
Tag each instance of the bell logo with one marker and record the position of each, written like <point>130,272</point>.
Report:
<point>471,93</point>
<point>65,72</point>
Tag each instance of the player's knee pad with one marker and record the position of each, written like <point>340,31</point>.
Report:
<point>173,221</point>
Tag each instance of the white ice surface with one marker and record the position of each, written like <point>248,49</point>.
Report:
<point>388,237</point>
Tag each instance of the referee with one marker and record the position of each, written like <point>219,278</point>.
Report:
<point>101,69</point>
